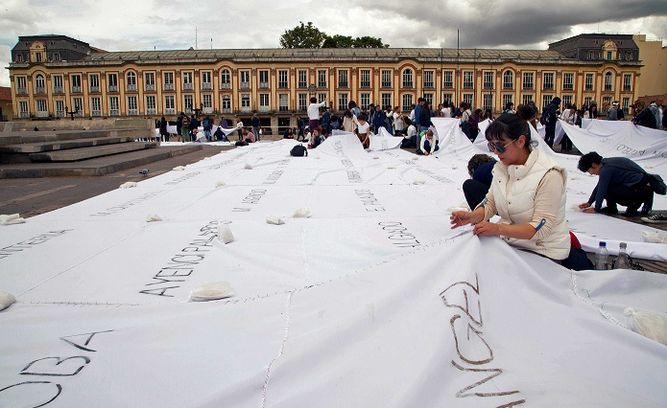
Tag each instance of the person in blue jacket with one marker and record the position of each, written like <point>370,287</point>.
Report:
<point>476,187</point>
<point>621,181</point>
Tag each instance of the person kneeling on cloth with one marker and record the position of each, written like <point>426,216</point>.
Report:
<point>426,144</point>
<point>528,193</point>
<point>621,181</point>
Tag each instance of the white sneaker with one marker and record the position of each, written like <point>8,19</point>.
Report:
<point>658,218</point>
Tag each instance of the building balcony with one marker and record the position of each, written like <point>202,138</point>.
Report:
<point>568,87</point>
<point>365,85</point>
<point>264,109</point>
<point>226,110</point>
<point>527,88</point>
<point>206,86</point>
<point>42,114</point>
<point>225,85</point>
<point>24,115</point>
<point>57,89</point>
<point>60,113</point>
<point>322,85</point>
<point>149,87</point>
<point>132,87</point>
<point>302,85</point>
<point>132,112</point>
<point>187,86</point>
<point>94,88</point>
<point>168,87</point>
<point>386,85</point>
<point>151,111</point>
<point>467,86</point>
<point>282,85</point>
<point>429,85</point>
<point>244,85</point>
<point>40,90</point>
<point>264,85</point>
<point>627,89</point>
<point>112,88</point>
<point>170,111</point>
<point>245,109</point>
<point>114,112</point>
<point>96,113</point>
<point>76,89</point>
<point>207,110</point>
<point>488,86</point>
<point>283,108</point>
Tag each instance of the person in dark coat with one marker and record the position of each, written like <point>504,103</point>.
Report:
<point>476,187</point>
<point>163,129</point>
<point>549,119</point>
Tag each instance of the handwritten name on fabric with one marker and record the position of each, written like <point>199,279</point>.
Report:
<point>181,265</point>
<point>275,175</point>
<point>41,389</point>
<point>399,234</point>
<point>124,206</point>
<point>369,201</point>
<point>473,351</point>
<point>29,243</point>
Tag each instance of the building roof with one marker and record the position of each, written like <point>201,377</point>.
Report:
<point>593,40</point>
<point>5,93</point>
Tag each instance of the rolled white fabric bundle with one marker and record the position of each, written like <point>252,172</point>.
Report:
<point>128,184</point>
<point>225,233</point>
<point>275,220</point>
<point>7,219</point>
<point>6,299</point>
<point>302,213</point>
<point>212,291</point>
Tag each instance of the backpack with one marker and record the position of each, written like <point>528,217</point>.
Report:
<point>298,151</point>
<point>612,114</point>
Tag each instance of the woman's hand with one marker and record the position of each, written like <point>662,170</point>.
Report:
<point>583,206</point>
<point>486,229</point>
<point>461,218</point>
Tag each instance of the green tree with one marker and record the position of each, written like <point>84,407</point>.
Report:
<point>338,41</point>
<point>303,36</point>
<point>369,42</point>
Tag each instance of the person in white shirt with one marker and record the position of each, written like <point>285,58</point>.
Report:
<point>410,139</point>
<point>314,113</point>
<point>399,122</point>
<point>428,144</point>
<point>446,110</point>
<point>364,131</point>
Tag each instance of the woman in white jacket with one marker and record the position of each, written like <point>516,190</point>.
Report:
<point>527,191</point>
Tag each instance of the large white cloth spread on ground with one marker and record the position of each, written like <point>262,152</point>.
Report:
<point>373,301</point>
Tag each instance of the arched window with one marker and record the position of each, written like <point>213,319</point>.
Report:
<point>608,81</point>
<point>408,78</point>
<point>225,79</point>
<point>508,80</point>
<point>40,83</point>
<point>131,80</point>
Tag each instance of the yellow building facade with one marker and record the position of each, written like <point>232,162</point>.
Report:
<point>278,83</point>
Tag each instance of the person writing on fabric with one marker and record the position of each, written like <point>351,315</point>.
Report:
<point>314,112</point>
<point>480,168</point>
<point>527,191</point>
<point>427,145</point>
<point>363,131</point>
<point>621,181</point>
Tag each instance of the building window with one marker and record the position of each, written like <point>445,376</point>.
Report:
<point>609,55</point>
<point>588,82</point>
<point>41,110</point>
<point>365,100</point>
<point>40,84</point>
<point>406,102</point>
<point>627,82</point>
<point>386,78</point>
<point>132,108</point>
<point>245,102</point>
<point>428,79</point>
<point>78,105</point>
<point>22,86</point>
<point>321,78</point>
<point>508,80</point>
<point>528,80</point>
<point>131,81</point>
<point>114,106</point>
<point>568,81</point>
<point>75,81</point>
<point>283,102</point>
<point>168,81</point>
<point>206,83</point>
<point>283,79</point>
<point>188,103</point>
<point>606,102</point>
<point>448,79</point>
<point>447,97</point>
<point>264,102</point>
<point>567,100</point>
<point>322,97</point>
<point>244,80</point>
<point>95,106</point>
<point>342,101</point>
<point>302,78</point>
<point>23,110</point>
<point>207,103</point>
<point>365,78</point>
<point>546,99</point>
<point>487,102</point>
<point>488,80</point>
<point>507,99</point>
<point>386,100</point>
<point>526,99</point>
<point>57,83</point>
<point>112,82</point>
<point>226,104</point>
<point>94,82</point>
<point>343,81</point>
<point>428,97</point>
<point>225,79</point>
<point>468,98</point>
<point>608,81</point>
<point>625,104</point>
<point>548,80</point>
<point>187,81</point>
<point>149,81</point>
<point>60,108</point>
<point>302,101</point>
<point>151,107</point>
<point>169,105</point>
<point>264,79</point>
<point>467,80</point>
<point>407,78</point>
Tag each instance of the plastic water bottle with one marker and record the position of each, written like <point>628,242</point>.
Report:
<point>623,262</point>
<point>601,256</point>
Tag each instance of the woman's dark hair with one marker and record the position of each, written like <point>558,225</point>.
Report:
<point>508,126</point>
<point>347,114</point>
<point>362,116</point>
<point>526,112</point>
<point>477,160</point>
<point>586,161</point>
<point>407,121</point>
<point>351,104</point>
<point>313,100</point>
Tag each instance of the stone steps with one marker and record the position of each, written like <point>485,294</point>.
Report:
<point>37,147</point>
<point>83,153</point>
<point>98,166</point>
<point>21,137</point>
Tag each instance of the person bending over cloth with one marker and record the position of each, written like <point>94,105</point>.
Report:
<point>480,168</point>
<point>621,181</point>
<point>528,193</point>
<point>427,144</point>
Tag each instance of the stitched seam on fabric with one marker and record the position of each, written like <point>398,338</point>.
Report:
<point>280,352</point>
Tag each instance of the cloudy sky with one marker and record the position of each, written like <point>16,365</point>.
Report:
<point>121,25</point>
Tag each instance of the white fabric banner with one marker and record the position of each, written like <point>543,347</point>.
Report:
<point>364,296</point>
